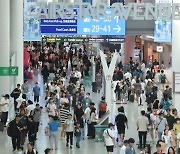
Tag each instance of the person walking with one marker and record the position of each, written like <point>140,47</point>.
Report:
<point>4,106</point>
<point>37,117</point>
<point>51,108</point>
<point>160,125</point>
<point>15,94</point>
<point>93,122</point>
<point>53,127</point>
<point>109,138</point>
<point>142,127</point>
<point>64,112</point>
<point>36,92</point>
<point>121,122</point>
<point>31,129</point>
<point>23,126</point>
<point>78,134</point>
<point>25,89</point>
<point>14,132</point>
<point>130,149</point>
<point>69,130</point>
<point>102,107</point>
<point>87,115</point>
<point>78,116</point>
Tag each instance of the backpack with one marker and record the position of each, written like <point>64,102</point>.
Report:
<point>163,78</point>
<point>149,118</point>
<point>103,107</point>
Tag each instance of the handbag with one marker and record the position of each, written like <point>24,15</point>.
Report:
<point>47,132</point>
<point>9,132</point>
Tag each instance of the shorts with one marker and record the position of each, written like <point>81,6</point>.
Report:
<point>121,131</point>
<point>109,148</point>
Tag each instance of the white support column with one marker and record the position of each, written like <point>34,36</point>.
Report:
<point>16,36</point>
<point>108,73</point>
<point>175,46</point>
<point>4,43</point>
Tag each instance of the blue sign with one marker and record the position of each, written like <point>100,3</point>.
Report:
<point>58,22</point>
<point>86,26</point>
<point>162,31</point>
<point>101,27</point>
<point>59,29</point>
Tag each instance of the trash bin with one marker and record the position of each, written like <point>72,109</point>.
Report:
<point>99,130</point>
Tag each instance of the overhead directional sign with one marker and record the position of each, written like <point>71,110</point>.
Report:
<point>86,26</point>
<point>101,27</point>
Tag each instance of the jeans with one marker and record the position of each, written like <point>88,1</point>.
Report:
<point>27,96</point>
<point>82,133</point>
<point>78,139</point>
<point>142,137</point>
<point>36,99</point>
<point>54,137</point>
<point>69,135</point>
<point>160,135</point>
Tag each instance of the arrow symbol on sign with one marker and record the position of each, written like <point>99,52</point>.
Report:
<point>118,29</point>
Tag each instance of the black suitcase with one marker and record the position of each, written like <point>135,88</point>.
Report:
<point>131,98</point>
<point>1,126</point>
<point>94,87</point>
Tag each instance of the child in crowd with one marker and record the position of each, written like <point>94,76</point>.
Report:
<point>78,134</point>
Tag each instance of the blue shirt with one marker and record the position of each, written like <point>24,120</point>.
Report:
<point>53,126</point>
<point>36,91</point>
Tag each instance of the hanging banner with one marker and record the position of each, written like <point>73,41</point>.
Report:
<point>31,23</point>
<point>162,31</point>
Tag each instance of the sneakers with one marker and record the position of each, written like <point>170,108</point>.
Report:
<point>67,145</point>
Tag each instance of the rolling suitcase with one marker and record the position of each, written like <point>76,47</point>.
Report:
<point>131,98</point>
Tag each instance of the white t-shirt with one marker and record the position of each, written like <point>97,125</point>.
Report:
<point>4,107</point>
<point>133,82</point>
<point>29,108</point>
<point>87,113</point>
<point>109,134</point>
<point>64,100</point>
<point>69,125</point>
<point>52,108</point>
<point>58,91</point>
<point>123,150</point>
<point>128,75</point>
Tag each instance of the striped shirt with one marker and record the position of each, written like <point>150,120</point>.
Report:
<point>63,115</point>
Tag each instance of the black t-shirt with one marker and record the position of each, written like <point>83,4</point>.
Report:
<point>16,92</point>
<point>14,128</point>
<point>121,119</point>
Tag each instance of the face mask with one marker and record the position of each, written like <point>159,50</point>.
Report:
<point>19,152</point>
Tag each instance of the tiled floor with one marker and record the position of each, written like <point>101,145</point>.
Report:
<point>87,146</point>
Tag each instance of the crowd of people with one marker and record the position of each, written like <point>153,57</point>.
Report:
<point>71,109</point>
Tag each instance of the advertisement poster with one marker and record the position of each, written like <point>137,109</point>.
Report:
<point>162,31</point>
<point>31,24</point>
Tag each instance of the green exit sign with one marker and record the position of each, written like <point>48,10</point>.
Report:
<point>8,71</point>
